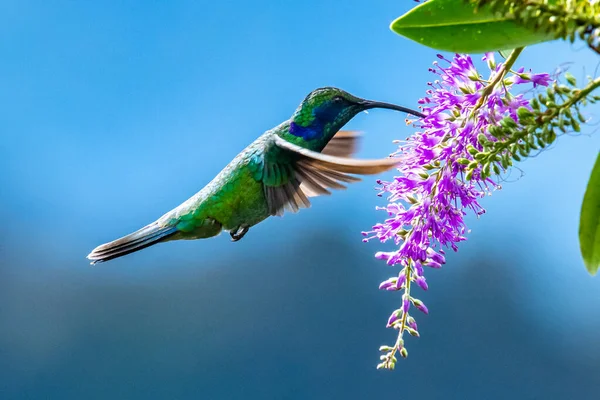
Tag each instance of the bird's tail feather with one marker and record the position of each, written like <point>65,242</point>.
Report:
<point>138,240</point>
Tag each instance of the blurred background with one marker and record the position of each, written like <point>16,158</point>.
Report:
<point>114,112</point>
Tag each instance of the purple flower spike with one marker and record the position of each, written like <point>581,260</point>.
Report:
<point>439,180</point>
<point>419,232</point>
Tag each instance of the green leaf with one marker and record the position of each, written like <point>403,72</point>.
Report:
<point>453,25</point>
<point>505,53</point>
<point>589,223</point>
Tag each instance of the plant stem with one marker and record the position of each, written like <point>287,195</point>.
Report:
<point>399,340</point>
<point>544,118</point>
<point>590,87</point>
<point>497,79</point>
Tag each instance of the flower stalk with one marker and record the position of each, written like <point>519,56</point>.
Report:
<point>504,69</point>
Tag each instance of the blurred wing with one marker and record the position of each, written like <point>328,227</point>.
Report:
<point>343,144</point>
<point>291,174</point>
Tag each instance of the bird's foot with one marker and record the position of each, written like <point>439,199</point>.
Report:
<point>239,233</point>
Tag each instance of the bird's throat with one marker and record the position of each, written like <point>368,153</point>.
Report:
<point>308,133</point>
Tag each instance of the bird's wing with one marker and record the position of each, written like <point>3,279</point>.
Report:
<point>291,174</point>
<point>343,144</point>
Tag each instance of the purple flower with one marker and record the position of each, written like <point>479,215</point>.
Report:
<point>541,79</point>
<point>537,79</point>
<point>428,205</point>
<point>429,199</point>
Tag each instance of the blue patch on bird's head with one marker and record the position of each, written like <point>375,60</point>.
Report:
<point>322,113</point>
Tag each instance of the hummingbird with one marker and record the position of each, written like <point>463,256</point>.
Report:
<point>303,157</point>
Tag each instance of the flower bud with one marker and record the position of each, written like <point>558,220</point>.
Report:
<point>401,280</point>
<point>383,255</point>
<point>435,256</point>
<point>412,323</point>
<point>420,280</point>
<point>496,169</point>
<point>405,304</point>
<point>412,332</point>
<point>491,62</point>
<point>482,139</point>
<point>571,79</point>
<point>420,306</point>
<point>418,268</point>
<point>393,318</point>
<point>508,122</point>
<point>404,352</point>
<point>389,284</point>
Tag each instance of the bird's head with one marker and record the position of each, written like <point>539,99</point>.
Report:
<point>326,110</point>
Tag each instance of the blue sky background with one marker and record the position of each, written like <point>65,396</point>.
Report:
<point>114,112</point>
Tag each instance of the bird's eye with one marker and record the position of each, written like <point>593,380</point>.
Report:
<point>338,99</point>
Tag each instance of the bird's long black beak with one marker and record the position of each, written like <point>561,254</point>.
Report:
<point>368,104</point>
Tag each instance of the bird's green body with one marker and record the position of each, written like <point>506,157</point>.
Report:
<point>300,158</point>
<point>232,199</point>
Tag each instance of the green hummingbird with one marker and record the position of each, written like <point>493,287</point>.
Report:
<point>302,157</point>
